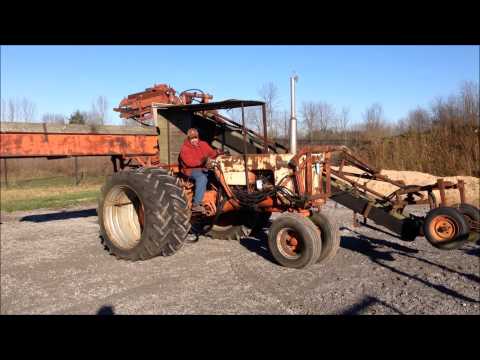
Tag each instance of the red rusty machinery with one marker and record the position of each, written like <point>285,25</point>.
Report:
<point>139,105</point>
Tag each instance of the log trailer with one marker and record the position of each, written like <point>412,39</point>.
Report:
<point>144,206</point>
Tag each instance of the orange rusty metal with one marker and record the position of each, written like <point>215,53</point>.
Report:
<point>139,105</point>
<point>443,228</point>
<point>288,241</point>
<point>21,144</point>
<point>209,201</point>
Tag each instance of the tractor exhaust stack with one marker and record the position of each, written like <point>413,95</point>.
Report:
<point>293,118</point>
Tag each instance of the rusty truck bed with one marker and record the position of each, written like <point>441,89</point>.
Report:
<point>41,140</point>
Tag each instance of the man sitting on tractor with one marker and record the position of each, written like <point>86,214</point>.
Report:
<point>194,157</point>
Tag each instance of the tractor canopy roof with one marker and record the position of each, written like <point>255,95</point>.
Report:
<point>217,105</point>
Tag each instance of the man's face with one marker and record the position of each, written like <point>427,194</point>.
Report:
<point>194,140</point>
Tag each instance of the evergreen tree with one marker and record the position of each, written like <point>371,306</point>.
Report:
<point>77,118</point>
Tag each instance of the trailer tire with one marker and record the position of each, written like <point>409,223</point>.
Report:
<point>294,241</point>
<point>142,214</point>
<point>445,228</point>
<point>328,234</point>
<point>472,214</point>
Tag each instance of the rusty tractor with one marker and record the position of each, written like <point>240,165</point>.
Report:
<point>144,210</point>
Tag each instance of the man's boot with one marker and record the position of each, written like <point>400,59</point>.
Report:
<point>198,208</point>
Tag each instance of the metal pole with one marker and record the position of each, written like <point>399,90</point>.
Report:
<point>75,159</point>
<point>168,143</point>
<point>293,118</point>
<point>244,147</point>
<point>265,138</point>
<point>5,172</point>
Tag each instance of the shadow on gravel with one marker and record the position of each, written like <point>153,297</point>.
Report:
<point>471,277</point>
<point>362,224</point>
<point>257,243</point>
<point>368,301</point>
<point>363,245</point>
<point>106,310</point>
<point>63,215</point>
<point>381,242</point>
<point>474,251</point>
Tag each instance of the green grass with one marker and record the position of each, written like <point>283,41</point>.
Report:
<point>52,181</point>
<point>50,193</point>
<point>50,202</point>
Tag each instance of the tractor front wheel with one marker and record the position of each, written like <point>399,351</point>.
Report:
<point>328,235</point>
<point>294,241</point>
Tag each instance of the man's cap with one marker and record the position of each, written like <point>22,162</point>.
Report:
<point>192,132</point>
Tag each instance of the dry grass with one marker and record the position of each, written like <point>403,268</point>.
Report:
<point>57,192</point>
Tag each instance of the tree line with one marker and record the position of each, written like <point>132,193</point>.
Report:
<point>24,110</point>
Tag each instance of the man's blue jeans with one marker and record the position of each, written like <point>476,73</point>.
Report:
<point>201,180</point>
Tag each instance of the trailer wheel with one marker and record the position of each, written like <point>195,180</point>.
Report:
<point>472,215</point>
<point>143,214</point>
<point>294,241</point>
<point>446,228</point>
<point>328,235</point>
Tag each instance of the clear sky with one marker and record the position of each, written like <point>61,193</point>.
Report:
<point>62,79</point>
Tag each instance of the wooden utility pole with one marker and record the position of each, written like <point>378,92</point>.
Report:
<point>76,170</point>
<point>5,172</point>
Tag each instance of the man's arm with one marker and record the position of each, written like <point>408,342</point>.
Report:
<point>211,153</point>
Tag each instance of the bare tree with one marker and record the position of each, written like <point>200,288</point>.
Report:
<point>318,118</point>
<point>27,110</point>
<point>373,121</point>
<point>51,118</point>
<point>343,121</point>
<point>286,124</point>
<point>469,101</point>
<point>418,120</point>
<point>253,118</point>
<point>269,94</point>
<point>18,110</point>
<point>99,110</point>
<point>3,111</point>
<point>326,116</point>
<point>12,110</point>
<point>310,118</point>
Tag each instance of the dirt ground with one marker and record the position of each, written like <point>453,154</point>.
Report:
<point>52,263</point>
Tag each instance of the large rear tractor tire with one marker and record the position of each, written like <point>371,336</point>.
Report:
<point>445,228</point>
<point>472,215</point>
<point>328,235</point>
<point>143,214</point>
<point>294,241</point>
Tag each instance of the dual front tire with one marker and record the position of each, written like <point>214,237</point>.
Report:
<point>296,241</point>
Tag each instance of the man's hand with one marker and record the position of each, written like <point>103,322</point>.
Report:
<point>205,160</point>
<point>221,152</point>
<point>210,163</point>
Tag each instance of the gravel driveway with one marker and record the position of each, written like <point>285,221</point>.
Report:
<point>52,263</point>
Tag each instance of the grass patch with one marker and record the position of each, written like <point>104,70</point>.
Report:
<point>51,193</point>
<point>53,181</point>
